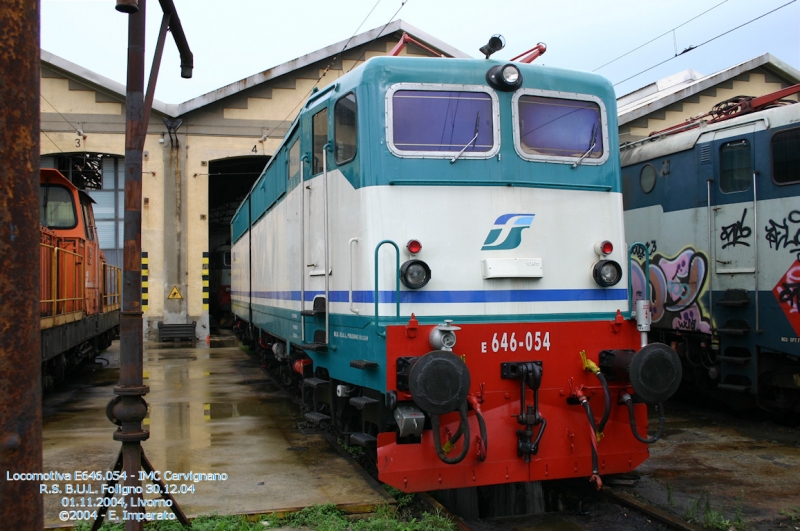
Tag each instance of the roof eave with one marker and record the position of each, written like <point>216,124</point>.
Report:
<point>766,61</point>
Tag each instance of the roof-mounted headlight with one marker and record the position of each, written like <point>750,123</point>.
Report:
<point>505,77</point>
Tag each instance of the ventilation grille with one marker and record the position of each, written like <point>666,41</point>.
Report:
<point>705,154</point>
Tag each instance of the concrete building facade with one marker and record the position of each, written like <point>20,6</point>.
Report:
<point>200,159</point>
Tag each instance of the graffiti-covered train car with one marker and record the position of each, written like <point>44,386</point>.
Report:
<point>717,204</point>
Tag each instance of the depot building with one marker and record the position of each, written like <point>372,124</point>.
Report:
<point>201,157</point>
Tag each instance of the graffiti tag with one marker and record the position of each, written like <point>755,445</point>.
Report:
<point>786,234</point>
<point>638,252</point>
<point>735,233</point>
<point>675,287</point>
<point>787,292</point>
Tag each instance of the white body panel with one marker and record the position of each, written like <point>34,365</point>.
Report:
<point>452,223</point>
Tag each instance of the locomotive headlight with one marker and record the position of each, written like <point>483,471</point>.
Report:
<point>510,74</point>
<point>504,77</point>
<point>414,274</point>
<point>607,273</point>
<point>443,337</point>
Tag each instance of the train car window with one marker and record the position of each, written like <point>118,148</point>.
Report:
<point>57,208</point>
<point>734,164</point>
<point>319,132</point>
<point>786,157</point>
<point>427,123</point>
<point>294,160</point>
<point>344,129</point>
<point>560,129</point>
<point>647,178</point>
<point>88,220</point>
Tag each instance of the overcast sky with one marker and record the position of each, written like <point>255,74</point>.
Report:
<point>235,39</point>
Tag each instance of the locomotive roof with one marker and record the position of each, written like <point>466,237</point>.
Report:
<point>667,144</point>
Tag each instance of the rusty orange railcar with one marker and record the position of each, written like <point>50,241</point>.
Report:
<point>80,292</point>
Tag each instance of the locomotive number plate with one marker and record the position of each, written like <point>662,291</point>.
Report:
<point>505,342</point>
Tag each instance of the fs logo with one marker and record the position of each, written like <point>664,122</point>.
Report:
<point>507,232</point>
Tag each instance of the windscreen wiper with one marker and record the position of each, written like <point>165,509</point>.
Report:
<point>591,148</point>
<point>474,138</point>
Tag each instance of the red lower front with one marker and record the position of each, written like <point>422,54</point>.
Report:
<point>565,447</point>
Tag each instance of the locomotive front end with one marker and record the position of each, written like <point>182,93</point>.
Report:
<point>523,358</point>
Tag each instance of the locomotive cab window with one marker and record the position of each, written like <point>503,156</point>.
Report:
<point>294,160</point>
<point>558,127</point>
<point>57,209</point>
<point>88,217</point>
<point>786,157</point>
<point>442,121</point>
<point>319,127</point>
<point>344,129</point>
<point>736,173</point>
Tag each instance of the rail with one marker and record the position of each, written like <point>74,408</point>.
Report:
<point>646,275</point>
<point>380,332</point>
<point>63,290</point>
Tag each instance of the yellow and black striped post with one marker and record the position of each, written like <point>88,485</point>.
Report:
<point>145,285</point>
<point>205,281</point>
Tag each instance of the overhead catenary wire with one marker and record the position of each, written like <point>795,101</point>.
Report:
<point>59,113</point>
<point>690,48</point>
<point>656,38</point>
<point>333,60</point>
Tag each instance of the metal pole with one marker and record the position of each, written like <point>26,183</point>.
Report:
<point>20,360</point>
<point>129,406</point>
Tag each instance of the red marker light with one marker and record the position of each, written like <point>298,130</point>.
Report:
<point>414,246</point>
<point>607,247</point>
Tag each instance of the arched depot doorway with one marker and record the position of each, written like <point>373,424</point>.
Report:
<point>229,181</point>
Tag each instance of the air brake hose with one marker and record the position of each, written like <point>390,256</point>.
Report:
<point>628,401</point>
<point>607,407</point>
<point>588,408</point>
<point>476,407</point>
<point>462,428</point>
<point>592,367</point>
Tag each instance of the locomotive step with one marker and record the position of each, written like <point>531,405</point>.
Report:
<point>363,439</point>
<point>733,359</point>
<point>316,347</point>
<point>314,382</point>
<point>318,308</point>
<point>735,327</point>
<point>734,297</point>
<point>361,401</point>
<point>735,388</point>
<point>363,364</point>
<point>315,417</point>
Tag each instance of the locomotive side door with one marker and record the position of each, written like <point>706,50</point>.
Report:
<point>733,207</point>
<point>315,227</point>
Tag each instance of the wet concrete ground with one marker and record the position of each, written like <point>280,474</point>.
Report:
<point>746,467</point>
<point>212,410</point>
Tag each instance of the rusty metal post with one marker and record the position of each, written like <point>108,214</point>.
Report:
<point>129,406</point>
<point>20,359</point>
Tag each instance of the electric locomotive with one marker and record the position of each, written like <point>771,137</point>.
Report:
<point>80,292</point>
<point>435,255</point>
<point>715,198</point>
